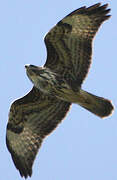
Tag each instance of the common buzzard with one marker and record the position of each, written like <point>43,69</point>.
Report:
<point>56,85</point>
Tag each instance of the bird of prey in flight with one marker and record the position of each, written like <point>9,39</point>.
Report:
<point>57,85</point>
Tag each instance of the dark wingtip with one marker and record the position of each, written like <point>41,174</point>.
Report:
<point>94,9</point>
<point>94,6</point>
<point>98,9</point>
<point>25,173</point>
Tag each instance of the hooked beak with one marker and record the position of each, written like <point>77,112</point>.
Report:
<point>29,65</point>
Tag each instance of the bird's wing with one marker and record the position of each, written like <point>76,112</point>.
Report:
<point>31,118</point>
<point>69,43</point>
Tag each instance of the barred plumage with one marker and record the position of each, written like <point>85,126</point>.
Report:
<point>56,86</point>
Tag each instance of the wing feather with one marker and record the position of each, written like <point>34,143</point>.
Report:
<point>69,43</point>
<point>31,118</point>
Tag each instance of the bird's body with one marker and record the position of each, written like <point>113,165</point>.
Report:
<point>56,86</point>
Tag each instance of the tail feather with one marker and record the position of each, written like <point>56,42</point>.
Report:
<point>99,106</point>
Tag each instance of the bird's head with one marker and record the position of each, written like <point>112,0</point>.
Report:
<point>39,76</point>
<point>34,71</point>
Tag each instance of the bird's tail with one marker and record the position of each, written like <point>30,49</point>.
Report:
<point>97,105</point>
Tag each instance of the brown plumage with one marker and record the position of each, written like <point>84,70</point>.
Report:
<point>69,51</point>
<point>31,118</point>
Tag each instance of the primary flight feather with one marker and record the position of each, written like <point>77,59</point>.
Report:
<point>56,86</point>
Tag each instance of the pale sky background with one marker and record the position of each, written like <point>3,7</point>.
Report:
<point>83,147</point>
